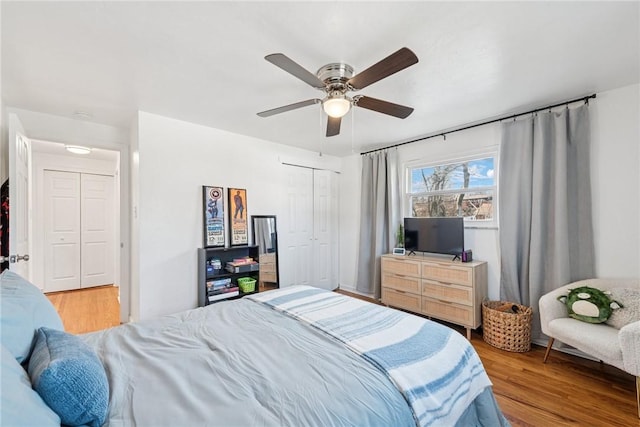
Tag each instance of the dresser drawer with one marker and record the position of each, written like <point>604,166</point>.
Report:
<point>455,313</point>
<point>401,266</point>
<point>447,292</point>
<point>401,283</point>
<point>447,273</point>
<point>399,299</point>
<point>268,277</point>
<point>267,268</point>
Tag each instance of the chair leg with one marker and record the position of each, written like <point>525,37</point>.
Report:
<point>549,345</point>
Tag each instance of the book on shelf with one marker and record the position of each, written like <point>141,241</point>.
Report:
<point>218,284</point>
<point>224,295</point>
<point>242,268</point>
<point>215,263</point>
<point>223,290</point>
<point>243,260</point>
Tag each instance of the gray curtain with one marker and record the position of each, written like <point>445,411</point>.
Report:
<point>379,217</point>
<point>546,231</point>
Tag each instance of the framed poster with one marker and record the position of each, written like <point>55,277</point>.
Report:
<point>213,204</point>
<point>238,216</point>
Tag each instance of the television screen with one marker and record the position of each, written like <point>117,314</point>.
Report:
<point>434,235</point>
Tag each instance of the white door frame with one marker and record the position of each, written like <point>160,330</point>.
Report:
<point>123,264</point>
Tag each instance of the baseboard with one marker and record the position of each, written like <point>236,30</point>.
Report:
<point>355,291</point>
<point>565,348</point>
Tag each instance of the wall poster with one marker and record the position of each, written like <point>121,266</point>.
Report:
<point>238,216</point>
<point>214,232</point>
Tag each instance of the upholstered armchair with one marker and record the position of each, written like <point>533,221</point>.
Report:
<point>617,347</point>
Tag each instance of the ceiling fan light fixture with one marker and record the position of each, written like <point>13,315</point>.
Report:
<point>336,106</point>
<point>77,149</point>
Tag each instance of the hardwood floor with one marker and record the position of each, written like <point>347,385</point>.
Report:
<point>566,391</point>
<point>87,310</point>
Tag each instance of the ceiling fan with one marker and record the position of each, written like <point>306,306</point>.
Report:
<point>336,79</point>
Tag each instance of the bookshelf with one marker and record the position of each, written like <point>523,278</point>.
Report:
<point>218,284</point>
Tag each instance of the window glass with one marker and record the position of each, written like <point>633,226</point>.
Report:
<point>463,188</point>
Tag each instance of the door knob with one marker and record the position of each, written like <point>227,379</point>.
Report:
<point>16,258</point>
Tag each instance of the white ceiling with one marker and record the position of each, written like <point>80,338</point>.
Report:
<point>202,62</point>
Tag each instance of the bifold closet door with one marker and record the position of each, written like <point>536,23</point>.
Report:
<point>62,230</point>
<point>296,252</point>
<point>79,230</point>
<point>97,257</point>
<point>308,244</point>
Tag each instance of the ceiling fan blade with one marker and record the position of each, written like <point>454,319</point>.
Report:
<point>289,107</point>
<point>284,62</point>
<point>333,125</point>
<point>384,107</point>
<point>393,63</point>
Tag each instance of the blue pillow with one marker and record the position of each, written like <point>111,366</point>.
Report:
<point>24,309</point>
<point>69,377</point>
<point>21,405</point>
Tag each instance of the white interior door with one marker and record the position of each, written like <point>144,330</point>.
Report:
<point>295,243</point>
<point>322,229</point>
<point>62,230</point>
<point>307,242</point>
<point>97,230</point>
<point>19,201</point>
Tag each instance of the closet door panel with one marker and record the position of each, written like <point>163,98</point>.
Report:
<point>322,229</point>
<point>62,230</point>
<point>295,238</point>
<point>98,224</point>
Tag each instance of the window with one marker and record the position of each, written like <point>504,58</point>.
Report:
<point>463,188</point>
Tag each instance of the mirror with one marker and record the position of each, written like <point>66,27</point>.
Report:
<point>265,236</point>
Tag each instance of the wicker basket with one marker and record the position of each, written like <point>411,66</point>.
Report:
<point>506,330</point>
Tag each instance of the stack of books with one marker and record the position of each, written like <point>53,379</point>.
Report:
<point>241,265</point>
<point>214,266</point>
<point>221,289</point>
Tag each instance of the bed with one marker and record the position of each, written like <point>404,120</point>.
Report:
<point>297,356</point>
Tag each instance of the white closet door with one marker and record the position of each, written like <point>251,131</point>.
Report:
<point>295,240</point>
<point>322,225</point>
<point>62,230</point>
<point>98,225</point>
<point>307,238</point>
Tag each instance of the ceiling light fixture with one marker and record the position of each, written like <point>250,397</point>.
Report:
<point>77,149</point>
<point>336,105</point>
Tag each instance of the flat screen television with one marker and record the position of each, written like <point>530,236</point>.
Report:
<point>434,235</point>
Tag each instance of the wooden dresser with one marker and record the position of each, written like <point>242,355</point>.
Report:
<point>447,290</point>
<point>268,271</point>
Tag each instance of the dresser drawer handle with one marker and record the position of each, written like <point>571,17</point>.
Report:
<point>444,302</point>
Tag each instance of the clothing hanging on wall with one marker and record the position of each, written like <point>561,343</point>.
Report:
<point>4,223</point>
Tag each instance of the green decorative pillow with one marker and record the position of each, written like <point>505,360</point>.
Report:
<point>589,304</point>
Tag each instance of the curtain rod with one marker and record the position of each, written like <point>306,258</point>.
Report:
<point>465,127</point>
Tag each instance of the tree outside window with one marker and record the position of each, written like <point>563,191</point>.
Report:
<point>464,188</point>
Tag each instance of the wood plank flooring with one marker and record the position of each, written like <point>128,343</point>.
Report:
<point>87,310</point>
<point>566,391</point>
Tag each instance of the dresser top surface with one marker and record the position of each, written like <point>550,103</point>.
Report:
<point>430,258</point>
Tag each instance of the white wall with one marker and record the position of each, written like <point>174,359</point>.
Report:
<point>176,159</point>
<point>615,172</point>
<point>615,164</point>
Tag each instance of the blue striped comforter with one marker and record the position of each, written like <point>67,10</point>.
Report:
<point>434,367</point>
